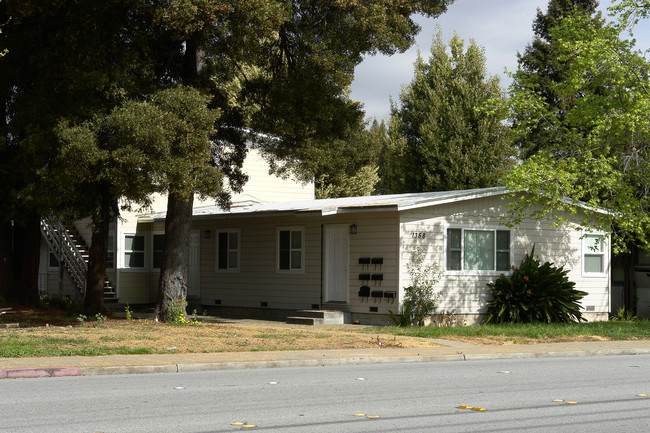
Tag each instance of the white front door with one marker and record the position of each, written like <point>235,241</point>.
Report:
<point>194,270</point>
<point>337,253</point>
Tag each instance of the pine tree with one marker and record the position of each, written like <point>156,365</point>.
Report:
<point>442,134</point>
<point>540,69</point>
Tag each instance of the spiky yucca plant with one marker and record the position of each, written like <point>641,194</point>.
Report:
<point>535,292</point>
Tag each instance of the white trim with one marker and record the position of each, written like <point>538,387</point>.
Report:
<point>217,231</point>
<point>124,267</point>
<point>300,229</point>
<point>475,227</point>
<point>585,251</point>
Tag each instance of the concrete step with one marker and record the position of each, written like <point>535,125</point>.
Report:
<point>318,317</point>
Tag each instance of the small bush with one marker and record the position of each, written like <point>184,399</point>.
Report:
<point>624,315</point>
<point>177,313</point>
<point>535,292</point>
<point>420,301</point>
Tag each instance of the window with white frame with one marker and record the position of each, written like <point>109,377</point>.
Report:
<point>134,251</point>
<point>478,249</point>
<point>594,251</point>
<point>228,249</point>
<point>158,247</point>
<point>291,245</point>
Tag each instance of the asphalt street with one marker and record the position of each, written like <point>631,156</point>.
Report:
<point>560,394</point>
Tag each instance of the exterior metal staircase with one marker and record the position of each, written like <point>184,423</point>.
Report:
<point>67,244</point>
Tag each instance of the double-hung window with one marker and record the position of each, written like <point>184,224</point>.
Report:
<point>291,246</point>
<point>594,253</point>
<point>228,250</point>
<point>158,248</point>
<point>478,250</point>
<point>110,253</point>
<point>53,260</point>
<point>134,251</point>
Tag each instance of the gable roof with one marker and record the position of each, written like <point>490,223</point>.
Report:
<point>332,206</point>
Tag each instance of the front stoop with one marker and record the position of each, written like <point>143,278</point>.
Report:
<point>318,317</point>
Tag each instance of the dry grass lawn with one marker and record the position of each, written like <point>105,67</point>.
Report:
<point>66,333</point>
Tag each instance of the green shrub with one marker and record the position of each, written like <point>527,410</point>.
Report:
<point>420,301</point>
<point>535,292</point>
<point>624,315</point>
<point>176,313</point>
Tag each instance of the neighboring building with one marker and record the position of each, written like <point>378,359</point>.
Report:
<point>638,280</point>
<point>134,250</point>
<point>351,254</point>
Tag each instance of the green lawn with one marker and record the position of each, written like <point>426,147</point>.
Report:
<point>620,330</point>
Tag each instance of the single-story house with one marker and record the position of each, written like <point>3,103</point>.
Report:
<point>277,250</point>
<point>351,254</point>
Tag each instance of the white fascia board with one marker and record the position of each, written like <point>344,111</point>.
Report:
<point>360,209</point>
<point>492,192</point>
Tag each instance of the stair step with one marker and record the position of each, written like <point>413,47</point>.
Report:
<point>322,314</point>
<point>306,321</point>
<point>317,317</point>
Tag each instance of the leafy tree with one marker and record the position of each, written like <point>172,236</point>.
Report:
<point>604,124</point>
<point>281,68</point>
<point>137,149</point>
<point>630,12</point>
<point>440,136</point>
<point>345,167</point>
<point>66,61</point>
<point>541,69</point>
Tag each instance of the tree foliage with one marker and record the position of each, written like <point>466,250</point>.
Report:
<point>542,70</point>
<point>602,133</point>
<point>347,167</point>
<point>442,135</point>
<point>281,68</point>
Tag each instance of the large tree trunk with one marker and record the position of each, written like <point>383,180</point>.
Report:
<point>97,258</point>
<point>27,253</point>
<point>6,259</point>
<point>172,288</point>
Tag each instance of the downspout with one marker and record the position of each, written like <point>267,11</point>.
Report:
<point>117,260</point>
<point>321,264</point>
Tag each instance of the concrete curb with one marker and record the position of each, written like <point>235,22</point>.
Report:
<point>40,372</point>
<point>310,362</point>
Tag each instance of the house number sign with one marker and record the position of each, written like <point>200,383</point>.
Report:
<point>418,235</point>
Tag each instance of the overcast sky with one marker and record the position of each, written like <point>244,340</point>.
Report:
<point>502,27</point>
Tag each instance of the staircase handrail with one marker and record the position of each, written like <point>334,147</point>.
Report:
<point>60,241</point>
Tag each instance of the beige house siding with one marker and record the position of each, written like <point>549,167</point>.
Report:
<point>258,281</point>
<point>466,291</point>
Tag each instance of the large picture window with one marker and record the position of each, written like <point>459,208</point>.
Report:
<point>478,250</point>
<point>134,251</point>
<point>228,250</point>
<point>291,249</point>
